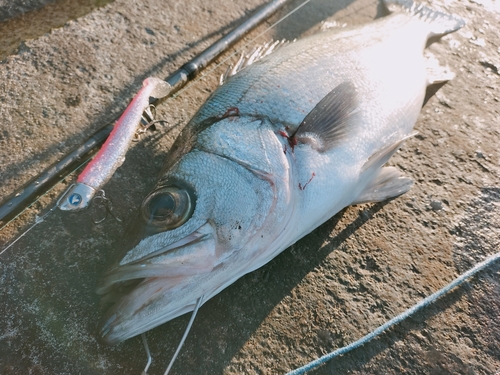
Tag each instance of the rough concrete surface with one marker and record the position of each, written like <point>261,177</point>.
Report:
<point>361,268</point>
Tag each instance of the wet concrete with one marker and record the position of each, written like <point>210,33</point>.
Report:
<point>358,270</point>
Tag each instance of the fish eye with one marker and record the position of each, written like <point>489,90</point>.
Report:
<point>168,207</point>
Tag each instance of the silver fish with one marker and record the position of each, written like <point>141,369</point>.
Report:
<point>277,150</point>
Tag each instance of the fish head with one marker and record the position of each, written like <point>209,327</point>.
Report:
<point>199,230</point>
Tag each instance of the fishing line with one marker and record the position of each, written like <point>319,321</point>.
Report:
<point>39,219</point>
<point>179,346</point>
<point>188,328</point>
<point>148,354</point>
<point>397,319</point>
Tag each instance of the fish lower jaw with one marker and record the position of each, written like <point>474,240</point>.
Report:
<point>157,300</point>
<point>144,308</point>
<point>116,330</point>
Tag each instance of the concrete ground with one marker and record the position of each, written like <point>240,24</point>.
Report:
<point>60,81</point>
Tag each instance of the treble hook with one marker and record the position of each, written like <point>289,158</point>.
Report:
<point>100,200</point>
<point>147,120</point>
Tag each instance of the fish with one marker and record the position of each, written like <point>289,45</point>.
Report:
<point>278,149</point>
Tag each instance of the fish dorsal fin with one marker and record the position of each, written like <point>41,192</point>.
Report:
<point>331,119</point>
<point>254,55</point>
<point>439,23</point>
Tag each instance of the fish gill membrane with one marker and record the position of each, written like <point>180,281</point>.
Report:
<point>277,150</point>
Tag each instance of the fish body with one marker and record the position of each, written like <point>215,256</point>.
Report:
<point>277,150</point>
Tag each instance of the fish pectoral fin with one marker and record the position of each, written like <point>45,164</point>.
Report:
<point>383,183</point>
<point>330,121</point>
<point>388,183</point>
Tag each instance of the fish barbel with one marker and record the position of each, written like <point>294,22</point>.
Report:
<point>277,150</point>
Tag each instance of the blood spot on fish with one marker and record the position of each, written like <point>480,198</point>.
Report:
<point>307,183</point>
<point>292,141</point>
<point>283,133</point>
<point>233,111</point>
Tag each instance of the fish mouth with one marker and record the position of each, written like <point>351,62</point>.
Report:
<point>157,287</point>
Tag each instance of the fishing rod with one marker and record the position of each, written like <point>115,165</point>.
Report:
<point>22,199</point>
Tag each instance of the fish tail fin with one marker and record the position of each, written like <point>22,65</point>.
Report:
<point>439,23</point>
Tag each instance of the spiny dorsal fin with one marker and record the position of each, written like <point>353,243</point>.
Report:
<point>331,119</point>
<point>440,23</point>
<point>248,59</point>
